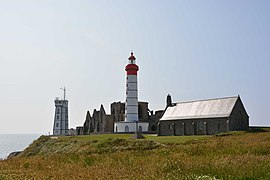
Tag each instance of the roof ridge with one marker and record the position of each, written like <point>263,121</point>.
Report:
<point>210,99</point>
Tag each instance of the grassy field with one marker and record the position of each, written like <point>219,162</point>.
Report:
<point>241,155</point>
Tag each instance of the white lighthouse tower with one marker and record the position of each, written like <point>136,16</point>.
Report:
<point>60,126</point>
<point>131,123</point>
<point>131,111</point>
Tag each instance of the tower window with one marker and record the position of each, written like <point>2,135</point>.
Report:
<point>57,124</point>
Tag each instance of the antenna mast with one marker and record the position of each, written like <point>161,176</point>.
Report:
<point>64,89</point>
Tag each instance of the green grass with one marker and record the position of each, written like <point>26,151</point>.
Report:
<point>151,137</point>
<point>174,139</point>
<point>98,137</point>
<point>236,155</point>
<point>100,143</point>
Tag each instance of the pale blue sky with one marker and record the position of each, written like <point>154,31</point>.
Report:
<point>192,49</point>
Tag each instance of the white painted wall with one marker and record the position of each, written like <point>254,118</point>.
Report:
<point>131,112</point>
<point>121,126</point>
<point>133,94</point>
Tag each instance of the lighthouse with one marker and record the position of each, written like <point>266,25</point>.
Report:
<point>131,111</point>
<point>131,123</point>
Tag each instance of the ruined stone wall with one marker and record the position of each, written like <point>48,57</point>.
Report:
<point>79,130</point>
<point>101,122</point>
<point>109,123</point>
<point>143,111</point>
<point>86,125</point>
<point>118,111</point>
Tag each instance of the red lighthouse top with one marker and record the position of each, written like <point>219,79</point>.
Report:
<point>132,57</point>
<point>132,68</point>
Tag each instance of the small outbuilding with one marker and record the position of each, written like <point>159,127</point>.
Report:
<point>202,117</point>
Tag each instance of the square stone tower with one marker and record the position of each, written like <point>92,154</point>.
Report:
<point>60,126</point>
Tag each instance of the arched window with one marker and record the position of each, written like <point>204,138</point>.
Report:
<point>140,128</point>
<point>126,129</point>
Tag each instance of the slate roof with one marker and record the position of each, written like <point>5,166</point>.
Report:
<point>209,108</point>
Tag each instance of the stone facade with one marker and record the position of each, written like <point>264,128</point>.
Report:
<point>100,122</point>
<point>194,127</point>
<point>60,126</point>
<point>238,119</point>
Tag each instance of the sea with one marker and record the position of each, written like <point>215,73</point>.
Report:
<point>15,142</point>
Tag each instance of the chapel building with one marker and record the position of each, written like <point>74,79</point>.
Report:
<point>203,117</point>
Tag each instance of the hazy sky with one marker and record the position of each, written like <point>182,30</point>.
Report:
<point>192,49</point>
